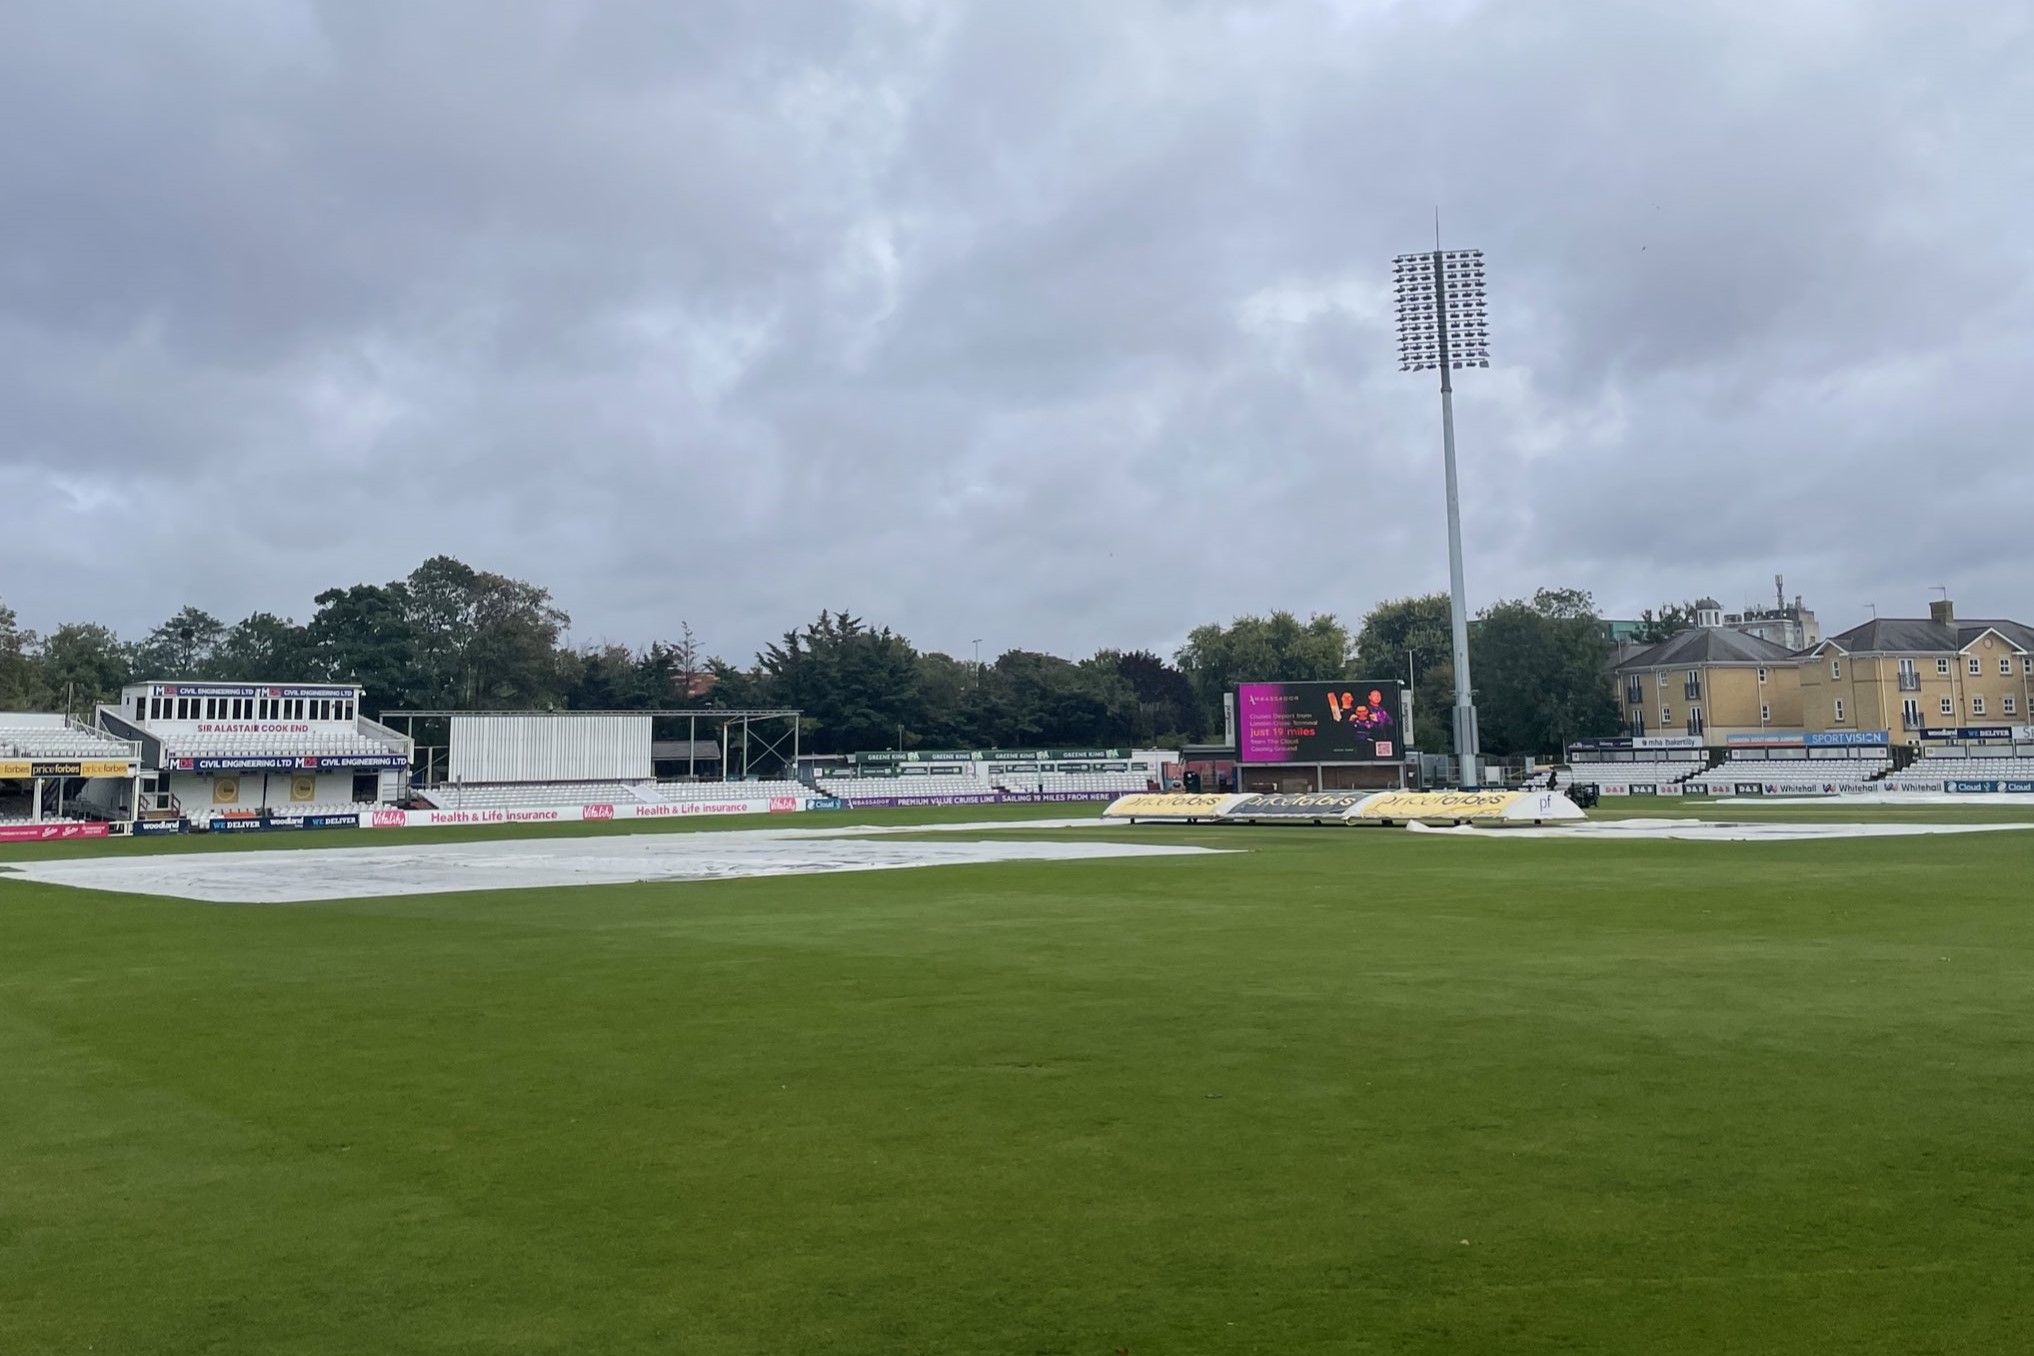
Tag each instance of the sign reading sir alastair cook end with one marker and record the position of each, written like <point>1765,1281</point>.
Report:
<point>1352,722</point>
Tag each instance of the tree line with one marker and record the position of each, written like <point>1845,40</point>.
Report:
<point>452,637</point>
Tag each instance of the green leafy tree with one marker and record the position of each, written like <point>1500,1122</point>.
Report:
<point>1413,636</point>
<point>858,685</point>
<point>265,647</point>
<point>1166,708</point>
<point>440,602</point>
<point>20,683</point>
<point>181,647</point>
<point>363,635</point>
<point>951,691</point>
<point>1540,671</point>
<point>1669,621</point>
<point>1033,700</point>
<point>481,639</point>
<point>1274,649</point>
<point>513,660</point>
<point>83,665</point>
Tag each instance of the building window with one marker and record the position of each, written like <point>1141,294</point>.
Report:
<point>1836,668</point>
<point>1765,714</point>
<point>1666,715</point>
<point>1976,666</point>
<point>1910,714</point>
<point>1663,677</point>
<point>1839,710</point>
<point>1942,667</point>
<point>2012,706</point>
<point>1948,707</point>
<point>1977,706</point>
<point>2027,664</point>
<point>2005,667</point>
<point>1762,675</point>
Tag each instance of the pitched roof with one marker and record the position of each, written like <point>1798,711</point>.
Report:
<point>2019,633</point>
<point>1708,645</point>
<point>1896,634</point>
<point>1900,635</point>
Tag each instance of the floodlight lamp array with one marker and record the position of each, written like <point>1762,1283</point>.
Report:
<point>1442,313</point>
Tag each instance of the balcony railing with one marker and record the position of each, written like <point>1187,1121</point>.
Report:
<point>1912,722</point>
<point>1910,681</point>
<point>1692,691</point>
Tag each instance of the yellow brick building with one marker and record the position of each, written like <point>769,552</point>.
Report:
<point>1907,675</point>
<point>1710,681</point>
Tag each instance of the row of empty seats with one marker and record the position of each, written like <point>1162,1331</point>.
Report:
<point>58,741</point>
<point>321,743</point>
<point>1094,783</point>
<point>278,808</point>
<point>523,795</point>
<point>526,795</point>
<point>1960,767</point>
<point>1793,771</point>
<point>1659,773</point>
<point>674,793</point>
<point>933,788</point>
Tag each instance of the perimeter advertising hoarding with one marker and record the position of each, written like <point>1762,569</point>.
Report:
<point>51,833</point>
<point>1351,722</point>
<point>23,768</point>
<point>1299,805</point>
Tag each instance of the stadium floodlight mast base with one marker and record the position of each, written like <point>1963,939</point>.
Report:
<point>1443,325</point>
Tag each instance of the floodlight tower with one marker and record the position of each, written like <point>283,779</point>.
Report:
<point>1443,326</point>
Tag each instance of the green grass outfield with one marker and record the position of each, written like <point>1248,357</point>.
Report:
<point>1343,1090</point>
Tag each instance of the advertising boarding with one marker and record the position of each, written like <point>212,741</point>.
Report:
<point>1350,722</point>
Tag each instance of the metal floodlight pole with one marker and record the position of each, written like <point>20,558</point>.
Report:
<point>1443,325</point>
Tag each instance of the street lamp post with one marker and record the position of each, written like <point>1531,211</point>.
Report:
<point>1443,326</point>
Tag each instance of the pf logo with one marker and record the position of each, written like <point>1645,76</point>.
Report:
<point>390,819</point>
<point>599,812</point>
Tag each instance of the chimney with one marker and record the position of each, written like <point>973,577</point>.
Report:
<point>1942,610</point>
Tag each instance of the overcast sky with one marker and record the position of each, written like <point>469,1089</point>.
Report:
<point>1053,324</point>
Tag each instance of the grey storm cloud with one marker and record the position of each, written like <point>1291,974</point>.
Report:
<point>1056,324</point>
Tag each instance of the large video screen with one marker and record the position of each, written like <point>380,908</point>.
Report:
<point>1351,722</point>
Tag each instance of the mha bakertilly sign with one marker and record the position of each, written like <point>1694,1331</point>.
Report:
<point>1352,807</point>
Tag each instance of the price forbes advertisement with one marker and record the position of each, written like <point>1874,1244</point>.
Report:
<point>1350,722</point>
